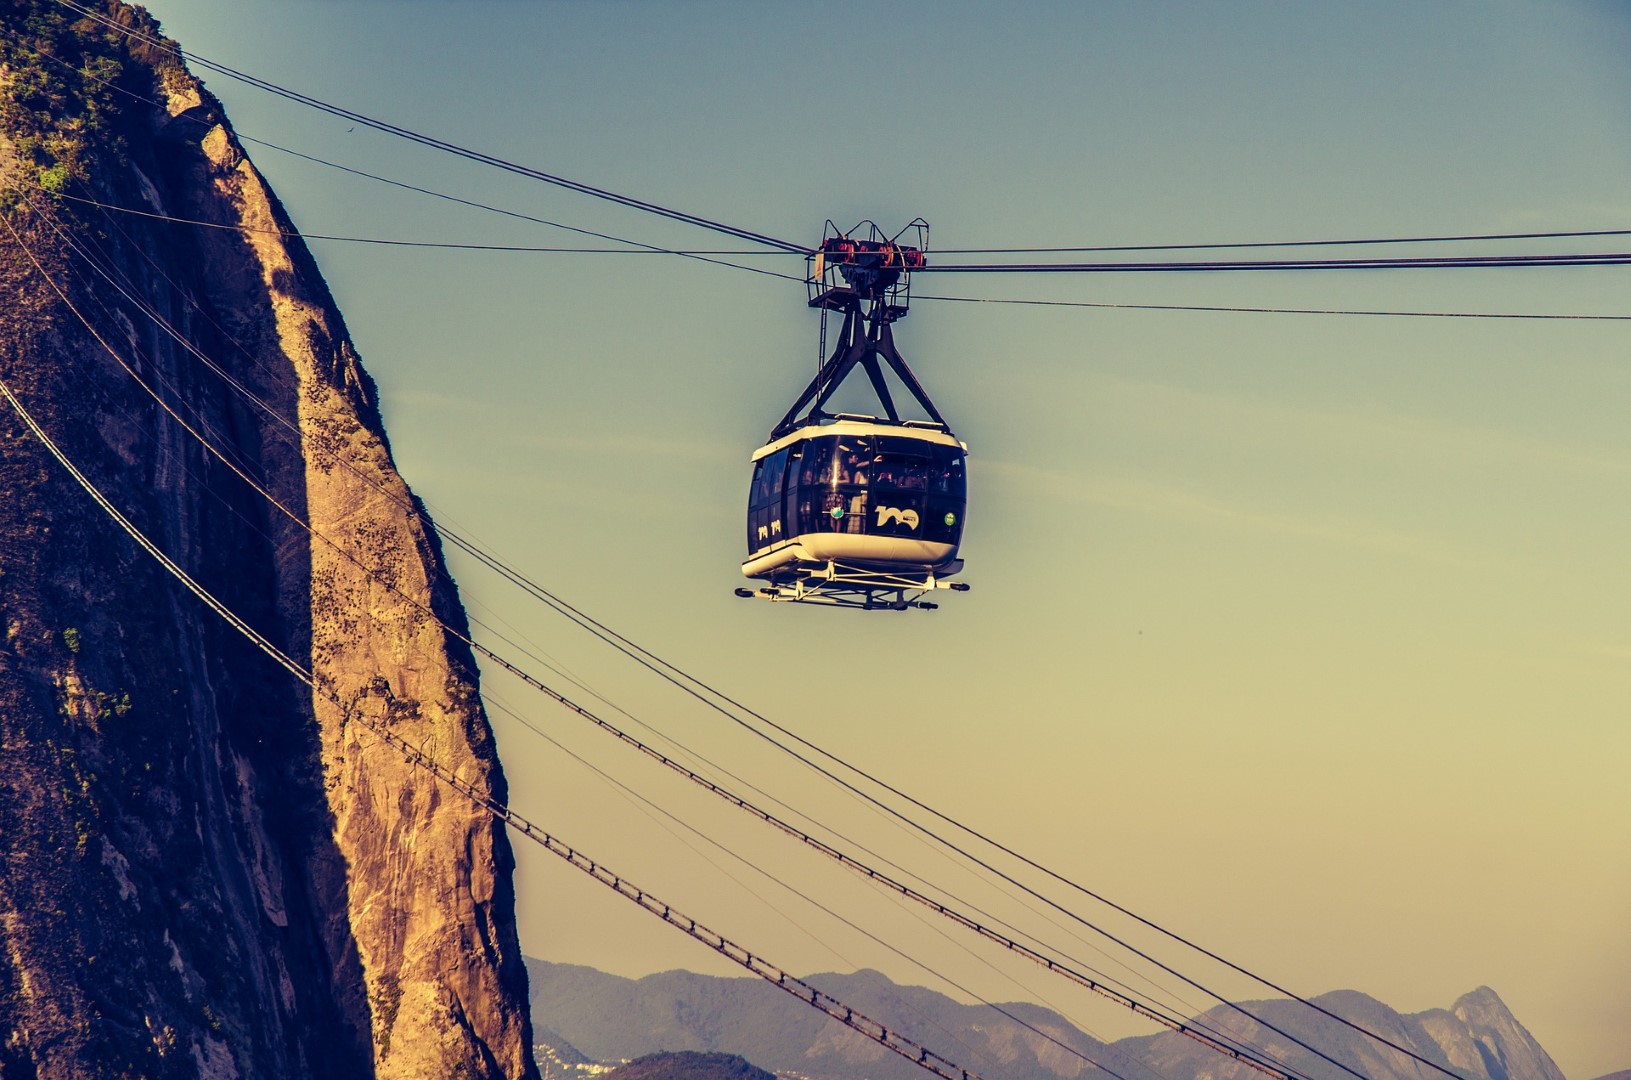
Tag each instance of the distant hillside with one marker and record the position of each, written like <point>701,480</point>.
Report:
<point>609,1018</point>
<point>690,1065</point>
<point>1476,1037</point>
<point>613,1019</point>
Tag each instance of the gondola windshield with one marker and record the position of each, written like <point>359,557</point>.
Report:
<point>859,484</point>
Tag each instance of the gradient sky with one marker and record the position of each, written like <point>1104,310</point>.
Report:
<point>1306,636</point>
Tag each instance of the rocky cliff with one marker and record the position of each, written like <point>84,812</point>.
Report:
<point>212,869</point>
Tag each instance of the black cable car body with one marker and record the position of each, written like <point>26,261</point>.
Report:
<point>850,510</point>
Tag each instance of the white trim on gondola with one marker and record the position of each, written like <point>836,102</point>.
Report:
<point>777,554</point>
<point>862,550</point>
<point>907,430</point>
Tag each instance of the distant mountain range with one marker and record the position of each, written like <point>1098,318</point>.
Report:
<point>586,1016</point>
<point>690,1065</point>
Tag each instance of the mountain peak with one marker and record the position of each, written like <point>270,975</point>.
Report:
<point>1481,1001</point>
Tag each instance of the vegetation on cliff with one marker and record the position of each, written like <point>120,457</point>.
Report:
<point>211,870</point>
<point>65,78</point>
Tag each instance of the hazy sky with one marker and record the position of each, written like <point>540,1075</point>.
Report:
<point>1306,636</point>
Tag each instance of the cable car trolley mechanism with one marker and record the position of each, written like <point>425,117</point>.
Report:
<point>849,510</point>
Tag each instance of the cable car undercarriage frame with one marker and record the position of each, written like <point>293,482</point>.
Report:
<point>849,510</point>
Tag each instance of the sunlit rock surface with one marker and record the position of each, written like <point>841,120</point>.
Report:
<point>211,869</point>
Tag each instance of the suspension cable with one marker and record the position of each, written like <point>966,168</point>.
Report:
<point>1420,262</point>
<point>724,704</point>
<point>291,233</point>
<point>711,256</point>
<point>634,246</point>
<point>653,808</point>
<point>1372,241</point>
<point>1275,310</point>
<point>477,156</point>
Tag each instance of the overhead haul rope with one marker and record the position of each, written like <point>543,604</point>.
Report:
<point>477,156</point>
<point>635,246</point>
<point>701,691</point>
<point>1420,262</point>
<point>414,755</point>
<point>709,256</point>
<point>1273,310</point>
<point>642,249</point>
<point>787,246</point>
<point>1198,1031</point>
<point>638,248</point>
<point>298,234</point>
<point>1464,238</point>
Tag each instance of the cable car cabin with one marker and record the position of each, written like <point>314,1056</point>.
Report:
<point>857,512</point>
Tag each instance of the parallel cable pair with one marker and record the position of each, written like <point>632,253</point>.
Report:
<point>713,257</point>
<point>788,247</point>
<point>434,143</point>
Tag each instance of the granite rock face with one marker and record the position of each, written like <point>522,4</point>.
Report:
<point>211,868</point>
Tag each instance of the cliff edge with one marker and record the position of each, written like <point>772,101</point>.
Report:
<point>213,869</point>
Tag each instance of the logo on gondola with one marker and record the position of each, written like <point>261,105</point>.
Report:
<point>887,514</point>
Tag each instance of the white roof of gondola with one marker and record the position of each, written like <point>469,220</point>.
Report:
<point>921,431</point>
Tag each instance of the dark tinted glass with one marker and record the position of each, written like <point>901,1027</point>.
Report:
<point>877,484</point>
<point>767,479</point>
